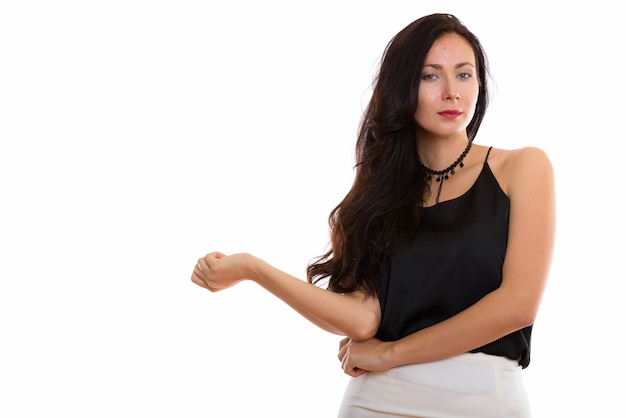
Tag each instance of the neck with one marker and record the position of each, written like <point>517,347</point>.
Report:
<point>440,154</point>
<point>445,173</point>
<point>449,170</point>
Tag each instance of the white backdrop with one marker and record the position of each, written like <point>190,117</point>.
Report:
<point>137,136</point>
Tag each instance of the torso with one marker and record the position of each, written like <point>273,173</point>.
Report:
<point>457,255</point>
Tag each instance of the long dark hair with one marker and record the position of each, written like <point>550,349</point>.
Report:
<point>381,209</point>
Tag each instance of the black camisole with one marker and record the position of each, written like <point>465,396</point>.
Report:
<point>454,259</point>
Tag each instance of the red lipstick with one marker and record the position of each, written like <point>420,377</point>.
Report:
<point>451,114</point>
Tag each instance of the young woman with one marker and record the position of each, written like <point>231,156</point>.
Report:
<point>439,252</point>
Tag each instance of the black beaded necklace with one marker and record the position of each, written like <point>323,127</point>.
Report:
<point>441,175</point>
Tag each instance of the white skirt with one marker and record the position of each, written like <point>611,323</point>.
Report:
<point>470,385</point>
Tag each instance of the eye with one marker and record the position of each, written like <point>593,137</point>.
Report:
<point>465,75</point>
<point>429,77</point>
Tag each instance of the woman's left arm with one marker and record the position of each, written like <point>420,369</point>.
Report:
<point>528,180</point>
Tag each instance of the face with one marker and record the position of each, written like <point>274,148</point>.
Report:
<point>448,89</point>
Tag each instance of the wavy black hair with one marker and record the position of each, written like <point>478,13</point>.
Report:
<point>380,211</point>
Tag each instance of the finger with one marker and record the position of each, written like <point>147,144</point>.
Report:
<point>203,267</point>
<point>197,269</point>
<point>343,349</point>
<point>358,372</point>
<point>198,281</point>
<point>208,262</point>
<point>343,342</point>
<point>214,256</point>
<point>350,369</point>
<point>345,361</point>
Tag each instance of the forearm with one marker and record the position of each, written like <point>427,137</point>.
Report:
<point>354,315</point>
<point>493,317</point>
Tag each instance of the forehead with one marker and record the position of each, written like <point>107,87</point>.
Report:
<point>450,48</point>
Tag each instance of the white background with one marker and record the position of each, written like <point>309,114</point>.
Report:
<point>136,136</point>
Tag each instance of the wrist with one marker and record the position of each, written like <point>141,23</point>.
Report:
<point>389,355</point>
<point>252,264</point>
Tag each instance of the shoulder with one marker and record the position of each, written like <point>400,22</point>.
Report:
<point>517,170</point>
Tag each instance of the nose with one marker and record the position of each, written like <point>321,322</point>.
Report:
<point>451,91</point>
<point>453,96</point>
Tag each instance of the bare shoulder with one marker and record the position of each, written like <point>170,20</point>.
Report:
<point>519,169</point>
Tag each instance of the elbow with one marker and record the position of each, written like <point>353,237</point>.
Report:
<point>522,320</point>
<point>523,315</point>
<point>520,308</point>
<point>527,318</point>
<point>366,327</point>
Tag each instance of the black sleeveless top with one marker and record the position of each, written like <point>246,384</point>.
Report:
<point>454,259</point>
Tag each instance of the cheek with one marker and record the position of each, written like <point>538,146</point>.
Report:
<point>417,116</point>
<point>424,102</point>
<point>471,107</point>
<point>472,95</point>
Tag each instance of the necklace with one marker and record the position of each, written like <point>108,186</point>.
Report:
<point>445,174</point>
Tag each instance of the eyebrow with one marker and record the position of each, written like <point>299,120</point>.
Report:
<point>459,65</point>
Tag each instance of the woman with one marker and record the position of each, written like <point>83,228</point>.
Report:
<point>440,250</point>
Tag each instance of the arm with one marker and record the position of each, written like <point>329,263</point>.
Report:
<point>354,315</point>
<point>528,180</point>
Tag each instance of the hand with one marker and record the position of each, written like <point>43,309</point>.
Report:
<point>217,271</point>
<point>358,358</point>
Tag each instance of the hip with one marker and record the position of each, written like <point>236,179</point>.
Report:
<point>468,385</point>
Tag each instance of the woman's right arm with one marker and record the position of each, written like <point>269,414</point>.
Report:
<point>354,315</point>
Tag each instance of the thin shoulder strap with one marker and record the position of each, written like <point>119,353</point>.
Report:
<point>487,156</point>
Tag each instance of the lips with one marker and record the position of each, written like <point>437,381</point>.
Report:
<point>450,113</point>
